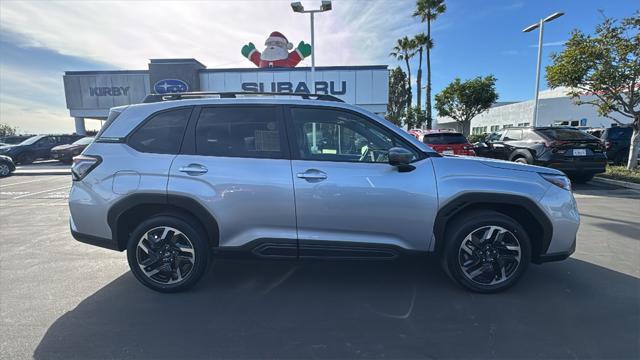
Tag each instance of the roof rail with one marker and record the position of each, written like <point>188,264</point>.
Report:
<point>151,98</point>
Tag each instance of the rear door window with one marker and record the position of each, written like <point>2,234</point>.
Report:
<point>251,132</point>
<point>162,133</point>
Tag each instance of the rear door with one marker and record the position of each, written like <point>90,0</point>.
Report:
<point>349,201</point>
<point>235,162</point>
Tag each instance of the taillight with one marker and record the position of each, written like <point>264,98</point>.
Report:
<point>82,165</point>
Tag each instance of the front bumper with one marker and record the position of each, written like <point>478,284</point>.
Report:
<point>559,256</point>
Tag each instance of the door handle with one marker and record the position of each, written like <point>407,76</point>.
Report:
<point>312,175</point>
<point>194,169</point>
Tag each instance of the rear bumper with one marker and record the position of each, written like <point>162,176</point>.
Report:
<point>577,165</point>
<point>96,241</point>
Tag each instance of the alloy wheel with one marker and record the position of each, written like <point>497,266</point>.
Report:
<point>489,255</point>
<point>165,255</point>
<point>4,170</point>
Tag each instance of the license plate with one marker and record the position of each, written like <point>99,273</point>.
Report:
<point>579,152</point>
<point>447,152</point>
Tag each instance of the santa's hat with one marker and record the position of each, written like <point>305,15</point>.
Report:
<point>277,36</point>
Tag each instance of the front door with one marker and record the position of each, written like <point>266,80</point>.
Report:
<point>235,162</point>
<point>349,200</point>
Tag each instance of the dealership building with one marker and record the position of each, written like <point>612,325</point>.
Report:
<point>555,108</point>
<point>90,94</point>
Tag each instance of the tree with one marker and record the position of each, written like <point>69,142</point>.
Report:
<point>428,11</point>
<point>462,101</point>
<point>7,130</point>
<point>398,96</point>
<point>404,50</point>
<point>605,69</point>
<point>420,41</point>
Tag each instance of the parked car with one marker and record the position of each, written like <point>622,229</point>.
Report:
<point>6,166</point>
<point>14,139</point>
<point>576,153</point>
<point>417,133</point>
<point>36,147</point>
<point>617,141</point>
<point>65,153</point>
<point>170,181</point>
<point>448,142</point>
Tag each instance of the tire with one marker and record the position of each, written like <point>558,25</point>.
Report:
<point>5,170</point>
<point>508,249</point>
<point>25,159</point>
<point>581,178</point>
<point>175,260</point>
<point>521,160</point>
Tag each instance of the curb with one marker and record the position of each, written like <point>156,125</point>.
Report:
<point>625,184</point>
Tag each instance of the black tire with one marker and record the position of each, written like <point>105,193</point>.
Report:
<point>25,158</point>
<point>581,178</point>
<point>470,222</point>
<point>193,271</point>
<point>521,159</point>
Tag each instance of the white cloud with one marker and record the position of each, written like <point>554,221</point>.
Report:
<point>127,34</point>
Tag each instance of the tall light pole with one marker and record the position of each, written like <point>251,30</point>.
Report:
<point>297,7</point>
<point>529,28</point>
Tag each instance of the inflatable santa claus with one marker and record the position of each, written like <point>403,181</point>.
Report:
<point>276,53</point>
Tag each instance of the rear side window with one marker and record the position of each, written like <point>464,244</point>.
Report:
<point>530,135</point>
<point>113,114</point>
<point>513,134</point>
<point>162,133</point>
<point>565,134</point>
<point>252,132</point>
<point>441,139</point>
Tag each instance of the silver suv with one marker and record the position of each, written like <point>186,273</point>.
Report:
<point>187,178</point>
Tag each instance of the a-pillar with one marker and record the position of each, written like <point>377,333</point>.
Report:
<point>80,129</point>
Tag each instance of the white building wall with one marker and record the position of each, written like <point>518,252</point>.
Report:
<point>553,107</point>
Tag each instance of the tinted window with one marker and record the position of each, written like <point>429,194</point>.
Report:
<point>438,139</point>
<point>326,134</point>
<point>162,133</point>
<point>240,132</point>
<point>618,133</point>
<point>565,134</point>
<point>530,135</point>
<point>513,134</point>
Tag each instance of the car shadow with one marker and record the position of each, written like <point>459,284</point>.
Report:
<point>332,309</point>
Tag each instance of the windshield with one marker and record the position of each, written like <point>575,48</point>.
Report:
<point>31,140</point>
<point>566,134</point>
<point>440,139</point>
<point>84,141</point>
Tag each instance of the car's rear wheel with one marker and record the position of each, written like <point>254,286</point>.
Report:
<point>167,253</point>
<point>5,170</point>
<point>521,160</point>
<point>581,178</point>
<point>486,251</point>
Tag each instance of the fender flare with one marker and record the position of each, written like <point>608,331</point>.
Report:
<point>464,201</point>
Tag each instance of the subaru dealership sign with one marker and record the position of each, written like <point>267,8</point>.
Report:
<point>90,94</point>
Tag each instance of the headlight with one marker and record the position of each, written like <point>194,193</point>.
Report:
<point>558,180</point>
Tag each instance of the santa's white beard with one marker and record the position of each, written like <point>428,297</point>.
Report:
<point>273,53</point>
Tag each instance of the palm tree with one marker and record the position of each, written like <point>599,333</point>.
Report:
<point>420,41</point>
<point>428,11</point>
<point>405,50</point>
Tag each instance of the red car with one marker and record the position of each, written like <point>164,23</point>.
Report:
<point>448,142</point>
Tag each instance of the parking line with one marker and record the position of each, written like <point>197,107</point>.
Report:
<point>40,192</point>
<point>24,182</point>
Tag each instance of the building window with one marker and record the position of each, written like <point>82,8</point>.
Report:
<point>507,126</point>
<point>523,124</point>
<point>495,128</point>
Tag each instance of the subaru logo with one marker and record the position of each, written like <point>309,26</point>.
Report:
<point>167,86</point>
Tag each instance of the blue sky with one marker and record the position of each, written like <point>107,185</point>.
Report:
<point>40,40</point>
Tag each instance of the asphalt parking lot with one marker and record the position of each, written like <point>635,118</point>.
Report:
<point>63,299</point>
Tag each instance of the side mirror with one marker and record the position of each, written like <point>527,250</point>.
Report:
<point>400,158</point>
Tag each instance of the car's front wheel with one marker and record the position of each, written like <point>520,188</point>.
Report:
<point>5,170</point>
<point>486,251</point>
<point>167,253</point>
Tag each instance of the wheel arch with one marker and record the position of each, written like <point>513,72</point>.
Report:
<point>522,153</point>
<point>128,212</point>
<point>520,208</point>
